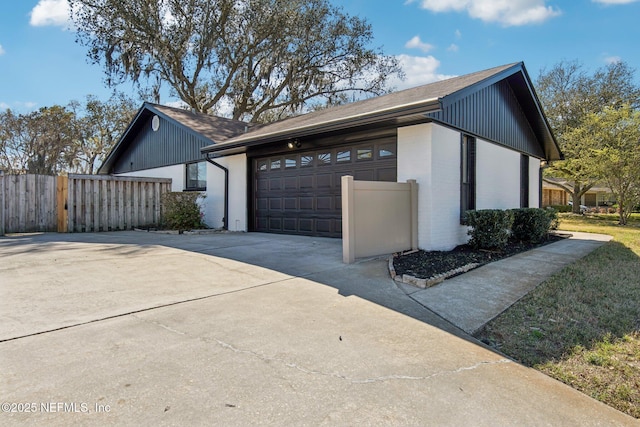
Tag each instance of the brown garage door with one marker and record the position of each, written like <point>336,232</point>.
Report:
<point>299,192</point>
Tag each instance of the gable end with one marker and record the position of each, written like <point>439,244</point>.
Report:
<point>493,113</point>
<point>169,145</point>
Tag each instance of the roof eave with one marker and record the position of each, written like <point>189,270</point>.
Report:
<point>397,112</point>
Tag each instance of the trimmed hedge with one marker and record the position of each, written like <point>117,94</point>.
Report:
<point>180,211</point>
<point>531,224</point>
<point>490,228</point>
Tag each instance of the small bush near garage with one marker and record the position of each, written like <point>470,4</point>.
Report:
<point>490,228</point>
<point>181,211</point>
<point>531,224</point>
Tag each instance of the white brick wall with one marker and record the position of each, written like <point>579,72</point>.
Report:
<point>213,204</point>
<point>238,199</point>
<point>414,162</point>
<point>430,154</point>
<point>446,231</point>
<point>534,182</point>
<point>497,177</point>
<point>176,173</point>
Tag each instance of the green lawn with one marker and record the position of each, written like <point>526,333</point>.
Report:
<point>582,326</point>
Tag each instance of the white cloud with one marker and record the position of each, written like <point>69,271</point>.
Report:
<point>419,70</point>
<point>453,47</point>
<point>2,51</point>
<point>21,107</point>
<point>177,104</point>
<point>614,1</point>
<point>505,12</point>
<point>458,34</point>
<point>416,43</point>
<point>612,59</point>
<point>50,12</point>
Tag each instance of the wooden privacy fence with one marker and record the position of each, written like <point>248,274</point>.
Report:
<point>79,203</point>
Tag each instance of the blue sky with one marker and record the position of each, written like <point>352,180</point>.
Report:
<point>42,65</point>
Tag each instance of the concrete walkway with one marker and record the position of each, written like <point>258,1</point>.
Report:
<point>471,300</point>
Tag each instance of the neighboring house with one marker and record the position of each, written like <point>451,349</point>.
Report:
<point>553,194</point>
<point>471,142</point>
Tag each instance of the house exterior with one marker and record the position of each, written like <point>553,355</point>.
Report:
<point>471,142</point>
<point>553,194</point>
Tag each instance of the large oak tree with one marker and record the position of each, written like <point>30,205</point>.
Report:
<point>72,138</point>
<point>261,59</point>
<point>613,136</point>
<point>569,96</point>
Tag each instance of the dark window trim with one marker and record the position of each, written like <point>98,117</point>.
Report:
<point>186,177</point>
<point>524,181</point>
<point>467,175</point>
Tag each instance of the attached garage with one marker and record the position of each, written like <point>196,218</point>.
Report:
<point>298,192</point>
<point>285,177</point>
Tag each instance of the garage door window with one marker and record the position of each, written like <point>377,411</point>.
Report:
<point>386,151</point>
<point>324,158</point>
<point>364,154</point>
<point>343,156</point>
<point>306,161</point>
<point>275,164</point>
<point>290,162</point>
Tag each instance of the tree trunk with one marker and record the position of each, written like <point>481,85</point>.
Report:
<point>576,197</point>
<point>621,213</point>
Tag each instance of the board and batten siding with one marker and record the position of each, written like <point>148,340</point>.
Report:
<point>169,145</point>
<point>495,114</point>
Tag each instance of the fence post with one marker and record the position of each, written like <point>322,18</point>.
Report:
<point>62,190</point>
<point>2,206</point>
<point>348,221</point>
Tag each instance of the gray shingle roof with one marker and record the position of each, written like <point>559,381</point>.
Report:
<point>215,128</point>
<point>422,95</point>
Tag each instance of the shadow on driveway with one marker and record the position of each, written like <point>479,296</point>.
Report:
<point>83,277</point>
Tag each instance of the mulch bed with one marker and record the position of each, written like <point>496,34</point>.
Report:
<point>422,264</point>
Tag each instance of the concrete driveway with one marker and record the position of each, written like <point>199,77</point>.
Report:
<point>135,328</point>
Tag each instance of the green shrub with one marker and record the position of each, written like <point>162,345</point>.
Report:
<point>490,228</point>
<point>562,208</point>
<point>531,224</point>
<point>180,211</point>
<point>553,215</point>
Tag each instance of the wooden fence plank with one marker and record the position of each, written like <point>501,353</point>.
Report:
<point>103,206</point>
<point>61,204</point>
<point>136,204</point>
<point>113,219</point>
<point>121,215</point>
<point>127,205</point>
<point>80,203</point>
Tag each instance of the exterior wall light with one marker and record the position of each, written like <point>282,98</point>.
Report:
<point>294,144</point>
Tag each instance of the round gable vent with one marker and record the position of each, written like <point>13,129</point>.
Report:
<point>155,123</point>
